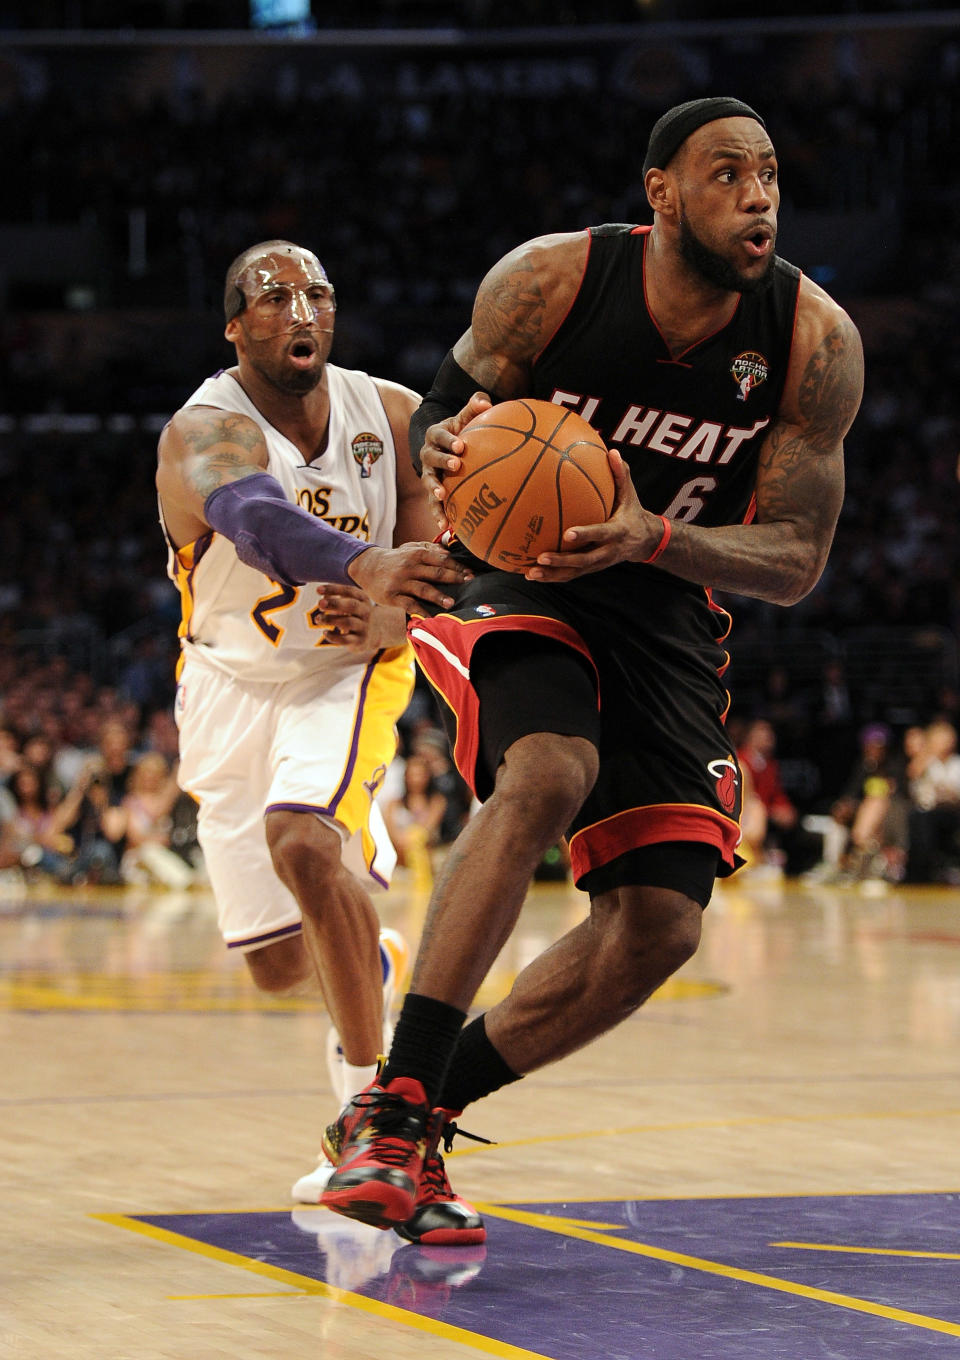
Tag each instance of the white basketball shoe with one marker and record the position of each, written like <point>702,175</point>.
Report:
<point>394,962</point>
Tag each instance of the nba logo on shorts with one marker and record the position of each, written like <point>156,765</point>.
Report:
<point>486,611</point>
<point>180,701</point>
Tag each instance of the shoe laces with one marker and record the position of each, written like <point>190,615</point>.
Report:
<point>434,1177</point>
<point>451,1129</point>
<point>434,1181</point>
<point>394,1125</point>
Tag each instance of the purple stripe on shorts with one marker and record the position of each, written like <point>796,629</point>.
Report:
<point>355,740</point>
<point>266,938</point>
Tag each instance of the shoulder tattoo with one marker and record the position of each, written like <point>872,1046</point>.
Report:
<point>831,386</point>
<point>220,449</point>
<point>508,313</point>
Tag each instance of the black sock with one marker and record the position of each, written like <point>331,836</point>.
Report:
<point>423,1042</point>
<point>475,1069</point>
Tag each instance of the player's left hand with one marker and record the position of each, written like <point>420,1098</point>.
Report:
<point>629,535</point>
<point>441,452</point>
<point>349,618</point>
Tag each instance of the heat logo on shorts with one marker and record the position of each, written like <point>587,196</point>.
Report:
<point>725,773</point>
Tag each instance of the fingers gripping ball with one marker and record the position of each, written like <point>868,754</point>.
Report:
<point>530,470</point>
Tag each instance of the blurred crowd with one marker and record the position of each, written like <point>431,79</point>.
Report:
<point>410,172</point>
<point>89,792</point>
<point>894,819</point>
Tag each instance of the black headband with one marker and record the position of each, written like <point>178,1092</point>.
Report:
<point>672,130</point>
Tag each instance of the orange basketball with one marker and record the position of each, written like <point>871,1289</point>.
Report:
<point>531,469</point>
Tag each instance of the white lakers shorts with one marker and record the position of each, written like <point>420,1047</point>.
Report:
<point>321,743</point>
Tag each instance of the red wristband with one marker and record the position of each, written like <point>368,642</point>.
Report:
<point>661,546</point>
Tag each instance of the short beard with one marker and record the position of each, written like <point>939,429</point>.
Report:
<point>294,382</point>
<point>717,271</point>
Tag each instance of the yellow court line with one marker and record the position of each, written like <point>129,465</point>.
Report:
<point>568,1228</point>
<point>871,1251</point>
<point>686,1125</point>
<point>303,1284</point>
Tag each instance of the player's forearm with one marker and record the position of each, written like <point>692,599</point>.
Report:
<point>277,537</point>
<point>388,627</point>
<point>772,562</point>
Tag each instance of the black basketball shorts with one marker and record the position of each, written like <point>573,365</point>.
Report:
<point>647,657</point>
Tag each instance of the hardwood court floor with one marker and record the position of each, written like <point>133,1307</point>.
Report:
<point>764,1162</point>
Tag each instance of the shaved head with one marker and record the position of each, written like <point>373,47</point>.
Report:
<point>234,298</point>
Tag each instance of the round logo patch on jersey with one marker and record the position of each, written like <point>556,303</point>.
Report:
<point>748,371</point>
<point>367,448</point>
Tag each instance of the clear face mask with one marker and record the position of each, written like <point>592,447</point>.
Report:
<point>285,295</point>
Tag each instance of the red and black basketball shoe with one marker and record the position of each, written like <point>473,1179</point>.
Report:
<point>441,1217</point>
<point>378,1146</point>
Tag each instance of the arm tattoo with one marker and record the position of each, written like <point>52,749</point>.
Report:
<point>830,389</point>
<point>216,448</point>
<point>508,315</point>
<point>228,429</point>
<point>795,463</point>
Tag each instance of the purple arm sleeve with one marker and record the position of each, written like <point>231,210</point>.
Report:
<point>275,536</point>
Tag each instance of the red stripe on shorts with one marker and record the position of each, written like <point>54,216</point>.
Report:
<point>598,844</point>
<point>444,645</point>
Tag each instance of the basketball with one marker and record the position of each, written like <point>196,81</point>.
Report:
<point>530,470</point>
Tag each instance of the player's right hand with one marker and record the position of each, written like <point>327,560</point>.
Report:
<point>441,452</point>
<point>409,576</point>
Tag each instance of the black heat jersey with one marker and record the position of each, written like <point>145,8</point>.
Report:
<point>690,427</point>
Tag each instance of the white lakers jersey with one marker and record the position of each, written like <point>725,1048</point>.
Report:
<point>242,621</point>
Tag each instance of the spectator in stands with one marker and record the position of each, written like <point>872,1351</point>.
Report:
<point>10,757</point>
<point>871,808</point>
<point>769,819</point>
<point>431,744</point>
<point>35,835</point>
<point>143,822</point>
<point>414,819</point>
<point>117,758</point>
<point>934,774</point>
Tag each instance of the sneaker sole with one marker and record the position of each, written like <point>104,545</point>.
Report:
<point>373,1202</point>
<point>444,1237</point>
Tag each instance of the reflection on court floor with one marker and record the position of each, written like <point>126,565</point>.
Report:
<point>838,1276</point>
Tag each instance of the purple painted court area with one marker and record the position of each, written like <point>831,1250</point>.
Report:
<point>558,1296</point>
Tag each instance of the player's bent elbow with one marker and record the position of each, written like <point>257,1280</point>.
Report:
<point>795,578</point>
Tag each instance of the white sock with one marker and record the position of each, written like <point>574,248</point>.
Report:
<point>356,1078</point>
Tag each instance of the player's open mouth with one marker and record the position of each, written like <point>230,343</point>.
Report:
<point>759,243</point>
<point>302,352</point>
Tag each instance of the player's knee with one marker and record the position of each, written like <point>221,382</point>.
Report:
<point>304,851</point>
<point>657,933</point>
<point>672,933</point>
<point>680,934</point>
<point>281,967</point>
<point>548,776</point>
